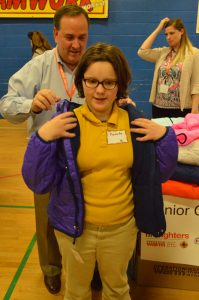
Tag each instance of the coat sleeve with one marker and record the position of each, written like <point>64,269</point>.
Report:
<point>150,55</point>
<point>39,165</point>
<point>195,75</point>
<point>167,154</point>
<point>15,106</point>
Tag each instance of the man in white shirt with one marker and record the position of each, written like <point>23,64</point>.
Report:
<point>33,92</point>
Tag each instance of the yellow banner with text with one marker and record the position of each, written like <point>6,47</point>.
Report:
<point>47,8</point>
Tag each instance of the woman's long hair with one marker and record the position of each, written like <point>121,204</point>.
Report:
<point>185,43</point>
<point>39,42</point>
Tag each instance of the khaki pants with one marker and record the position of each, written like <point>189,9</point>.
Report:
<point>111,246</point>
<point>49,255</point>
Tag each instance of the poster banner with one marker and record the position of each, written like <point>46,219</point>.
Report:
<point>47,8</point>
<point>180,242</point>
<point>197,25</point>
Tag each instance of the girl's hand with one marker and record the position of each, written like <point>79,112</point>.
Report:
<point>149,129</point>
<point>58,127</point>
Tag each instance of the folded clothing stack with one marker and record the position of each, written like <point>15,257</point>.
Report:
<point>185,180</point>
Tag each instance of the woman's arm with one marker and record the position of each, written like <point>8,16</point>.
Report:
<point>194,83</point>
<point>151,38</point>
<point>145,51</point>
<point>195,104</point>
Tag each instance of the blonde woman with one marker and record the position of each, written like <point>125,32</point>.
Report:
<point>175,85</point>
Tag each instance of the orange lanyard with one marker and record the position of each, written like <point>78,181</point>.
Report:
<point>63,77</point>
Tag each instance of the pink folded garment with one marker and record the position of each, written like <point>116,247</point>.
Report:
<point>188,130</point>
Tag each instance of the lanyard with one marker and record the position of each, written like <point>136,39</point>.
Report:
<point>168,63</point>
<point>63,77</point>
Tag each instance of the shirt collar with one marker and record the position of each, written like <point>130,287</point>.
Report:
<point>113,119</point>
<point>64,65</point>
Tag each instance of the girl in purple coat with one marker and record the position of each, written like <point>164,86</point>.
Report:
<point>105,180</point>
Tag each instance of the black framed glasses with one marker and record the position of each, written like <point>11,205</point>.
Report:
<point>93,83</point>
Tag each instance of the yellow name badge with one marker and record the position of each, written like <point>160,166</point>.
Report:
<point>116,137</point>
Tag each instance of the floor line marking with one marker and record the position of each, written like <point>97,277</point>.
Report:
<point>20,269</point>
<point>17,206</point>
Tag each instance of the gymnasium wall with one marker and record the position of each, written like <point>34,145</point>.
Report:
<point>128,24</point>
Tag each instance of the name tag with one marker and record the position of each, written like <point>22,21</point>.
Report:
<point>116,137</point>
<point>163,88</point>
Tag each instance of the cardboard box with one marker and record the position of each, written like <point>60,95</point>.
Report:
<point>167,275</point>
<point>180,243</point>
<point>172,261</point>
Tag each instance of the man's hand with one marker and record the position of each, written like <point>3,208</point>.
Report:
<point>150,130</point>
<point>58,127</point>
<point>123,101</point>
<point>44,100</point>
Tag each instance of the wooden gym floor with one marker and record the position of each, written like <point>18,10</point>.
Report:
<point>20,275</point>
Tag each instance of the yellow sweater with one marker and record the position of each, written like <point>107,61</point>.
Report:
<point>105,166</point>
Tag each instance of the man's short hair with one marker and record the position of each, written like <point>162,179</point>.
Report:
<point>69,10</point>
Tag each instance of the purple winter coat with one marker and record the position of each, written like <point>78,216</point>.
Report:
<point>52,167</point>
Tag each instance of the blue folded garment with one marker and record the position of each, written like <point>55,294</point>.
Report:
<point>186,173</point>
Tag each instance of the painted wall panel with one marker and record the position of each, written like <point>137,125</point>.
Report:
<point>129,23</point>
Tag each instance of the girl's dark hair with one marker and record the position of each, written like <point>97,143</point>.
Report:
<point>71,11</point>
<point>105,53</point>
